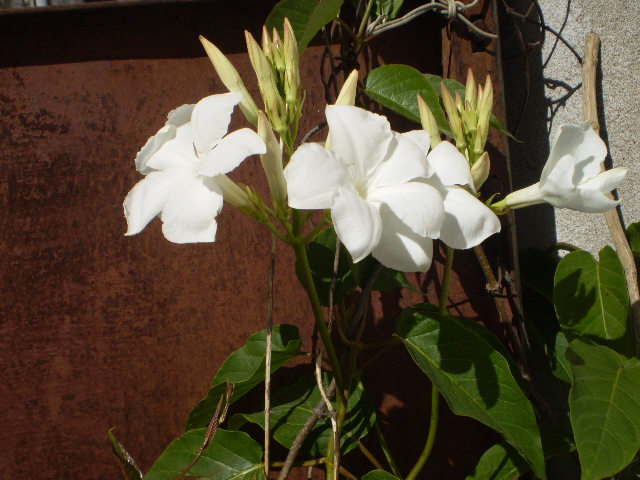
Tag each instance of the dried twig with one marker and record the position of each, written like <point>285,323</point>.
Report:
<point>267,377</point>
<point>590,107</point>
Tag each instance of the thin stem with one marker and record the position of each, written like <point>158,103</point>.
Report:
<point>365,18</point>
<point>435,393</point>
<point>433,427</point>
<point>370,456</point>
<point>308,463</point>
<point>385,448</point>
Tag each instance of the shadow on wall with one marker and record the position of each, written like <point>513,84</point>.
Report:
<point>529,112</point>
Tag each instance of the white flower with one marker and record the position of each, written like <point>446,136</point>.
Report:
<point>572,177</point>
<point>467,221</point>
<point>368,182</point>
<point>180,164</point>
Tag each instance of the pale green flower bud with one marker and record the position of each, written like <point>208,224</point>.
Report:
<point>274,105</point>
<point>272,160</point>
<point>347,95</point>
<point>470,95</point>
<point>455,121</point>
<point>232,193</point>
<point>292,67</point>
<point>485,106</point>
<point>480,171</point>
<point>429,123</point>
<point>279,54</point>
<point>231,79</point>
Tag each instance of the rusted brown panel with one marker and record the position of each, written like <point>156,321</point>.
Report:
<point>98,330</point>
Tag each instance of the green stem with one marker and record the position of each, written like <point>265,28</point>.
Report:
<point>365,18</point>
<point>435,393</point>
<point>385,449</point>
<point>307,282</point>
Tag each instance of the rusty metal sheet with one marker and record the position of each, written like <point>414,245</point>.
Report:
<point>100,331</point>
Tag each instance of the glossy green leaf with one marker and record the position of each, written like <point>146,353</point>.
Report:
<point>397,87</point>
<point>321,253</point>
<point>379,475</point>
<point>604,408</point>
<point>388,278</point>
<point>561,368</point>
<point>129,467</point>
<point>503,462</point>
<point>474,377</point>
<point>591,299</point>
<point>292,406</point>
<point>231,455</point>
<point>245,368</point>
<point>633,232</point>
<point>307,17</point>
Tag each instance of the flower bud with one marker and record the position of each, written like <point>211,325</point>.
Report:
<point>480,171</point>
<point>272,160</point>
<point>470,95</point>
<point>429,123</point>
<point>347,95</point>
<point>232,193</point>
<point>485,106</point>
<point>455,121</point>
<point>231,79</point>
<point>273,103</point>
<point>291,66</point>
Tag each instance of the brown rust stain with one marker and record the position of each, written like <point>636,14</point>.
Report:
<point>98,330</point>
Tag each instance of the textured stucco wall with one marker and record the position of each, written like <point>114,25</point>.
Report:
<point>554,72</point>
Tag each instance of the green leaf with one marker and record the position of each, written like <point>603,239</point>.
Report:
<point>561,369</point>
<point>230,455</point>
<point>388,279</point>
<point>292,406</point>
<point>633,232</point>
<point>379,475</point>
<point>128,464</point>
<point>397,87</point>
<point>591,299</point>
<point>474,378</point>
<point>245,368</point>
<point>321,253</point>
<point>503,462</point>
<point>390,8</point>
<point>604,408</point>
<point>307,17</point>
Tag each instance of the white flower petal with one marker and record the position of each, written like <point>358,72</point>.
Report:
<point>148,197</point>
<point>177,153</point>
<point>400,248</point>
<point>417,205</point>
<point>451,167</point>
<point>359,137</point>
<point>606,181</point>
<point>210,119</point>
<point>405,161</point>
<point>189,216</point>
<point>558,182</point>
<point>468,221</point>
<point>231,151</point>
<point>312,176</point>
<point>357,222</point>
<point>583,144</point>
<point>176,118</point>
<point>587,200</point>
<point>420,138</point>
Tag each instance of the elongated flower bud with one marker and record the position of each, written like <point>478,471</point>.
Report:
<point>347,95</point>
<point>455,121</point>
<point>471,91</point>
<point>480,171</point>
<point>232,193</point>
<point>291,67</point>
<point>231,79</point>
<point>485,106</point>
<point>273,103</point>
<point>272,160</point>
<point>429,123</point>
